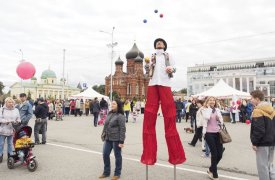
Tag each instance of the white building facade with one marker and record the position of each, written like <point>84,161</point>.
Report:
<point>48,87</point>
<point>244,75</point>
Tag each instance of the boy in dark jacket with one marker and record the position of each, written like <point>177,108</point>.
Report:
<point>262,135</point>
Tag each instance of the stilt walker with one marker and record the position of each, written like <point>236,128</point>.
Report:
<point>161,71</point>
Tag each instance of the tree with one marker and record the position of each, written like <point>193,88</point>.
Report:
<point>183,91</point>
<point>115,95</point>
<point>29,96</point>
<point>100,89</point>
<point>1,88</point>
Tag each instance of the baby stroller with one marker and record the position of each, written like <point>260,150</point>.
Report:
<point>103,116</point>
<point>23,149</point>
<point>58,114</point>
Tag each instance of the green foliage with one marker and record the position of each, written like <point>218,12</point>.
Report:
<point>1,88</point>
<point>115,95</point>
<point>100,89</point>
<point>183,91</point>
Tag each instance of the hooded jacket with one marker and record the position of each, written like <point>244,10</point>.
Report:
<point>262,131</point>
<point>41,111</point>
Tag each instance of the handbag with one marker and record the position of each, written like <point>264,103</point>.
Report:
<point>224,135</point>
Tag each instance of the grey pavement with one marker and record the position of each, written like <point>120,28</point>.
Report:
<point>73,151</point>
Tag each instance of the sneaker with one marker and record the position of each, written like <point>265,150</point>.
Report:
<point>191,144</point>
<point>44,142</point>
<point>210,174</point>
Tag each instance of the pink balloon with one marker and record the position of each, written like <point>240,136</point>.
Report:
<point>25,70</point>
<point>247,121</point>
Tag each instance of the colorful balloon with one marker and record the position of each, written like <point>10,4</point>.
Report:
<point>156,11</point>
<point>247,121</point>
<point>144,21</point>
<point>161,15</point>
<point>25,70</point>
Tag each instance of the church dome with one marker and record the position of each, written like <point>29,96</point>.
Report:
<point>138,59</point>
<point>133,53</point>
<point>48,74</point>
<point>119,61</point>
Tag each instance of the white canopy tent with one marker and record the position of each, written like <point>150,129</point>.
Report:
<point>89,93</point>
<point>223,90</point>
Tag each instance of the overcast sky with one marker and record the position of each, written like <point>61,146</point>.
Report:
<point>192,29</point>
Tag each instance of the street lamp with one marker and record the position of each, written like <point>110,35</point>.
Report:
<point>63,78</point>
<point>111,45</point>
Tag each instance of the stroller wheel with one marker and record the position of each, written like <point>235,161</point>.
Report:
<point>32,165</point>
<point>10,163</point>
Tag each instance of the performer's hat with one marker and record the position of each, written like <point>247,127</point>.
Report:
<point>164,42</point>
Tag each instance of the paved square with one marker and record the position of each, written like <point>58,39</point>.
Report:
<point>74,147</point>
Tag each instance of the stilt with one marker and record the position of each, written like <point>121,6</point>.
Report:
<point>175,174</point>
<point>146,172</point>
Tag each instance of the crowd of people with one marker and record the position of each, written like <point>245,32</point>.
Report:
<point>240,110</point>
<point>205,116</point>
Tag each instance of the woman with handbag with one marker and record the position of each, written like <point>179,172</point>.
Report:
<point>211,127</point>
<point>113,135</point>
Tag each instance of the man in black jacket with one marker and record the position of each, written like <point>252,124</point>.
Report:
<point>193,108</point>
<point>262,135</point>
<point>41,114</point>
<point>179,108</point>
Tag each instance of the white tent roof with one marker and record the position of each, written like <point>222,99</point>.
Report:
<point>89,93</point>
<point>223,90</point>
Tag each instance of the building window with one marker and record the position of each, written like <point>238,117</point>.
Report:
<point>52,81</point>
<point>272,88</point>
<point>143,90</point>
<point>262,82</point>
<point>137,89</point>
<point>129,89</point>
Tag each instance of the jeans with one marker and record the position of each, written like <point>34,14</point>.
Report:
<point>9,142</point>
<point>264,159</point>
<point>216,149</point>
<point>40,126</point>
<point>95,118</point>
<point>178,116</point>
<point>193,121</point>
<point>127,115</point>
<point>107,148</point>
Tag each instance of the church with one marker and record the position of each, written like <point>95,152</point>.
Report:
<point>133,82</point>
<point>48,87</point>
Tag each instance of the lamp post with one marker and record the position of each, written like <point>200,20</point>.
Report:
<point>111,45</point>
<point>21,78</point>
<point>63,78</point>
